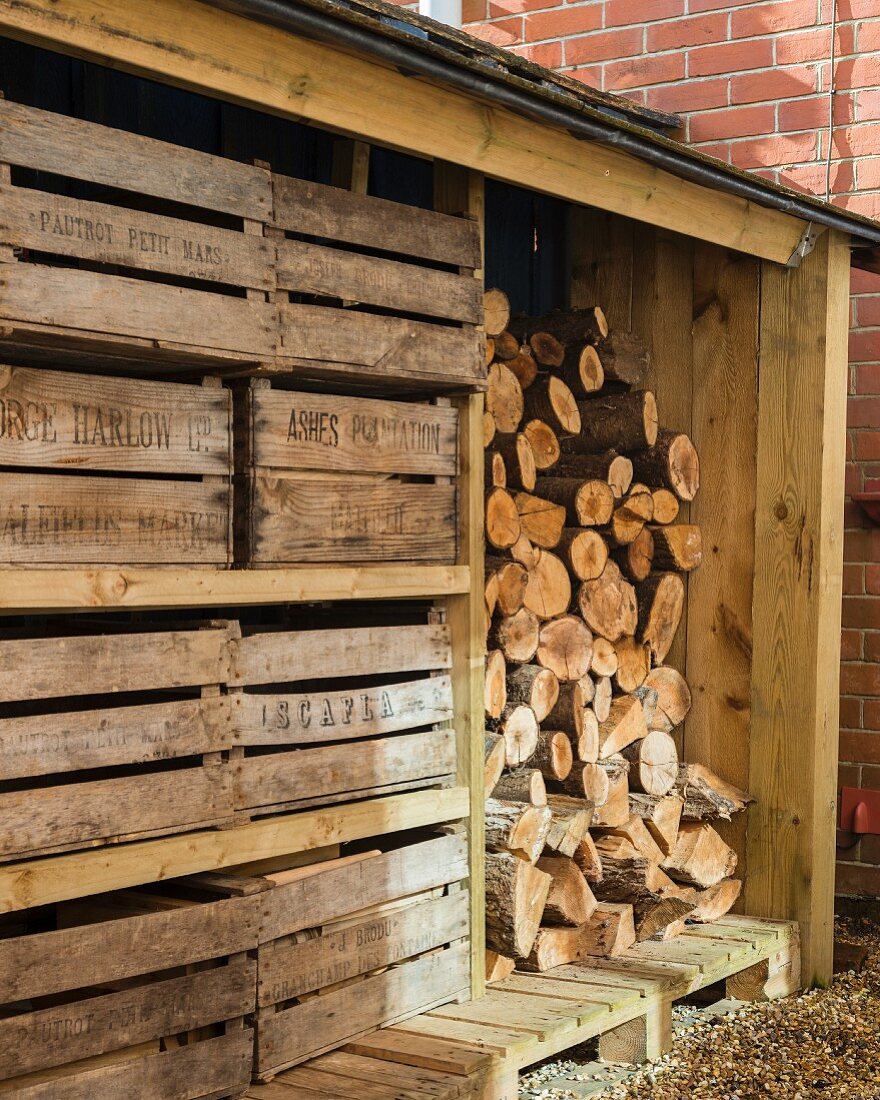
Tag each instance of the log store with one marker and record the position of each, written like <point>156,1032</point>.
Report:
<point>420,589</point>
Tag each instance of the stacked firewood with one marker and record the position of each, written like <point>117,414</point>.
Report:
<point>597,835</point>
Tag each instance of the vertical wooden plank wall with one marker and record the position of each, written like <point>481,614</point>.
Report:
<point>724,429</point>
<point>601,263</point>
<point>797,597</point>
<point>456,191</point>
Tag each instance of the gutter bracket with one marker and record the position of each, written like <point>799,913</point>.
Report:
<point>804,246</point>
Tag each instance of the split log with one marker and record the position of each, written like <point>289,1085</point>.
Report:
<point>553,756</point>
<point>489,351</point>
<point>495,752</point>
<point>604,662</point>
<point>700,856</point>
<point>550,400</point>
<point>510,580</point>
<point>516,827</point>
<point>616,469</point>
<point>515,635</point>
<point>494,472</point>
<point>569,326</point>
<point>502,519</point>
<point>627,876</point>
<point>584,503</point>
<point>637,558</point>
<point>662,817</point>
<point>519,728</point>
<point>586,781</point>
<point>496,311</point>
<point>609,932</point>
<point>545,443</point>
<point>629,519</point>
<point>498,967</point>
<point>565,646</point>
<point>666,506</point>
<point>504,398</point>
<point>615,809</point>
<point>524,367</point>
<point>576,718</point>
<point>516,893</point>
<point>602,698</point>
<point>522,785</point>
<point>588,859</point>
<point>523,552</point>
<point>624,725</point>
<point>620,421</point>
<point>541,519</point>
<point>570,901</point>
<point>664,913</point>
<point>672,463</point>
<point>673,698</point>
<point>706,794</point>
<point>506,346</point>
<point>633,664</point>
<point>608,604</point>
<point>547,349</point>
<point>495,691</point>
<point>653,763</point>
<point>570,827</point>
<point>584,552</point>
<point>535,686</point>
<point>635,833</point>
<point>677,547</point>
<point>548,592</point>
<point>582,370</point>
<point>518,460</point>
<point>488,428</point>
<point>553,947</point>
<point>661,605</point>
<point>714,902</point>
<point>624,358</point>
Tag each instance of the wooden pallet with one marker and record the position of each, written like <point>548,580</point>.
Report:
<point>478,1049</point>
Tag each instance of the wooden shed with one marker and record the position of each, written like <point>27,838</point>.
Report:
<point>740,289</point>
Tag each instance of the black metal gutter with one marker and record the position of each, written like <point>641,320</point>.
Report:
<point>585,123</point>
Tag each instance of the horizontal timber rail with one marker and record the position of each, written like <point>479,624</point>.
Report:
<point>124,587</point>
<point>79,874</point>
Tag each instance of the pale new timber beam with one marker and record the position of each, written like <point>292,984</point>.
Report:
<point>78,874</point>
<point>459,191</point>
<point>196,46</point>
<point>797,596</point>
<point>131,586</point>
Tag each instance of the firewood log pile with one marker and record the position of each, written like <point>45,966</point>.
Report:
<point>597,834</point>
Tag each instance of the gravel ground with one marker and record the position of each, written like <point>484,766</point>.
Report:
<point>825,1043</point>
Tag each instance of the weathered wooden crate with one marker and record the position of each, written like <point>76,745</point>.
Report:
<point>323,716</point>
<point>352,944</point>
<point>129,996</point>
<point>327,478</point>
<point>111,737</point>
<point>123,245</point>
<point>370,317</point>
<point>166,445</point>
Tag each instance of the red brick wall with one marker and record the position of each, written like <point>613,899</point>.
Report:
<point>751,82</point>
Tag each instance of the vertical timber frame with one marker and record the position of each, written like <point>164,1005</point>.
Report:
<point>458,190</point>
<point>797,597</point>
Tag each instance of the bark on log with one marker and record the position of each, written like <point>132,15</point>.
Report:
<point>570,900</point>
<point>553,756</point>
<point>700,856</point>
<point>495,691</point>
<point>541,519</point>
<point>522,785</point>
<point>672,463</point>
<point>584,552</point>
<point>495,752</point>
<point>504,398</point>
<point>608,604</point>
<point>706,794</point>
<point>636,559</point>
<point>569,326</point>
<point>550,400</point>
<point>518,460</point>
<point>565,646</point>
<point>611,467</point>
<point>535,686</point>
<point>570,827</point>
<point>679,547</point>
<point>624,358</point>
<point>519,728</point>
<point>545,443</point>
<point>653,764</point>
<point>633,664</point>
<point>587,503</point>
<point>510,579</point>
<point>661,606</point>
<point>502,519</point>
<point>619,421</point>
<point>516,827</point>
<point>516,893</point>
<point>624,725</point>
<point>548,592</point>
<point>515,635</point>
<point>496,311</point>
